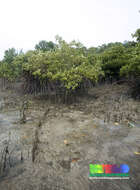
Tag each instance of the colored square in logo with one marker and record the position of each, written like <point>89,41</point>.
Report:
<point>107,168</point>
<point>96,168</point>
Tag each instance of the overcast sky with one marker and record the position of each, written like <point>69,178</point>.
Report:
<point>23,23</point>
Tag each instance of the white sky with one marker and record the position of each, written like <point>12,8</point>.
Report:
<point>23,23</point>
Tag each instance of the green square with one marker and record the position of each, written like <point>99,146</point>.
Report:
<point>95,168</point>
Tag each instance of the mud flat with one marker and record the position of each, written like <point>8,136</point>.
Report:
<point>69,139</point>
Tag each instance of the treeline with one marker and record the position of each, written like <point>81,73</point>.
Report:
<point>70,68</point>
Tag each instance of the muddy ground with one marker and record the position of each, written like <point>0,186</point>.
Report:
<point>93,130</point>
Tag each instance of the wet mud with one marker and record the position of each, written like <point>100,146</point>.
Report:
<point>70,138</point>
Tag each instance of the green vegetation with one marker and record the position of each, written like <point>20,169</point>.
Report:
<point>45,46</point>
<point>66,68</point>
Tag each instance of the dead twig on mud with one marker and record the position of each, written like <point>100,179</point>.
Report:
<point>36,138</point>
<point>5,159</point>
<point>24,107</point>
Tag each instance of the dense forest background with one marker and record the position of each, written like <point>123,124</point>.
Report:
<point>67,69</point>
